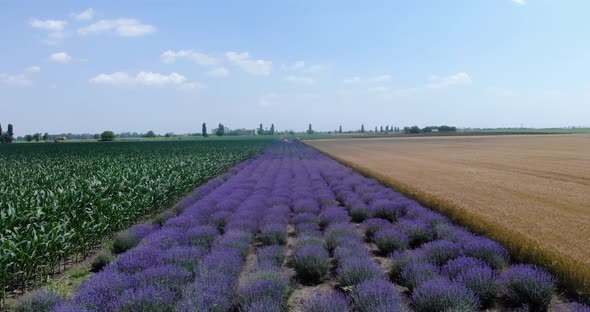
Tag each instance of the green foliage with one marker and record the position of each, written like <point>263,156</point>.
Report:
<point>107,136</point>
<point>220,130</point>
<point>150,134</point>
<point>102,259</point>
<point>59,200</point>
<point>28,138</point>
<point>124,241</point>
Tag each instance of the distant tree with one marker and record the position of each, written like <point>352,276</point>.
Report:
<point>107,136</point>
<point>96,136</point>
<point>362,128</point>
<point>272,129</point>
<point>8,136</point>
<point>427,130</point>
<point>447,129</point>
<point>45,136</point>
<point>386,129</point>
<point>169,134</point>
<point>28,138</point>
<point>310,130</point>
<point>0,130</point>
<point>150,134</point>
<point>375,129</point>
<point>340,129</point>
<point>204,130</point>
<point>381,130</point>
<point>37,136</point>
<point>220,130</point>
<point>260,130</point>
<point>414,129</point>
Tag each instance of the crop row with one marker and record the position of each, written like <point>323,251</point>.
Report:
<point>342,224</point>
<point>60,200</point>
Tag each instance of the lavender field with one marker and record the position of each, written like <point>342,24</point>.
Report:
<point>293,230</point>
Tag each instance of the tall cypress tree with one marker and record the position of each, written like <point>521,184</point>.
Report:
<point>204,130</point>
<point>340,129</point>
<point>272,129</point>
<point>362,128</point>
<point>260,130</point>
<point>0,130</point>
<point>9,131</point>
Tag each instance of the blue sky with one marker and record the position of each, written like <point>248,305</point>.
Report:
<point>168,66</point>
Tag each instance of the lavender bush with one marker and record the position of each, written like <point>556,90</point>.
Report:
<point>40,300</point>
<point>527,284</point>
<point>441,295</point>
<point>326,302</point>
<point>376,295</point>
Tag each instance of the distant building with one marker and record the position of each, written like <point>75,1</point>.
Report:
<point>245,131</point>
<point>60,138</point>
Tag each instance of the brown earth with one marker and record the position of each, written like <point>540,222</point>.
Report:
<point>530,192</point>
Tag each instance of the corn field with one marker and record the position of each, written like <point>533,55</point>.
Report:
<point>57,201</point>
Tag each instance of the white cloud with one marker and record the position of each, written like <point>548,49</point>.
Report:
<point>254,67</point>
<point>461,78</point>
<point>300,79</point>
<point>521,2</point>
<point>191,86</point>
<point>352,80</point>
<point>169,57</point>
<point>33,69</point>
<point>382,78</point>
<point>50,25</point>
<point>218,72</point>
<point>357,79</point>
<point>146,79</point>
<point>124,27</point>
<point>60,57</point>
<point>86,15</point>
<point>298,65</point>
<point>20,80</point>
<point>15,80</point>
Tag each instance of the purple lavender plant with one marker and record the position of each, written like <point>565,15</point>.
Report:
<point>333,215</point>
<point>441,295</point>
<point>441,251</point>
<point>487,250</point>
<point>273,234</point>
<point>271,256</point>
<point>482,280</point>
<point>202,236</point>
<point>311,262</point>
<point>377,295</point>
<point>328,301</point>
<point>39,300</point>
<point>353,271</point>
<point>527,284</point>
<point>390,239</point>
<point>265,285</point>
<point>415,274</point>
<point>371,226</point>
<point>454,267</point>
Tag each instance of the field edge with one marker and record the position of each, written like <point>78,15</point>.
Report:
<point>573,276</point>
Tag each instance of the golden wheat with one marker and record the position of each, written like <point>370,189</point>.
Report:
<point>530,193</point>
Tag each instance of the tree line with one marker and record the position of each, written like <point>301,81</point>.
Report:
<point>221,130</point>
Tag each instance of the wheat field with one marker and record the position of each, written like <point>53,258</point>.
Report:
<point>530,192</point>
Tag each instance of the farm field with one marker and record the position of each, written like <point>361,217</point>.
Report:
<point>61,200</point>
<point>293,230</point>
<point>529,192</point>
